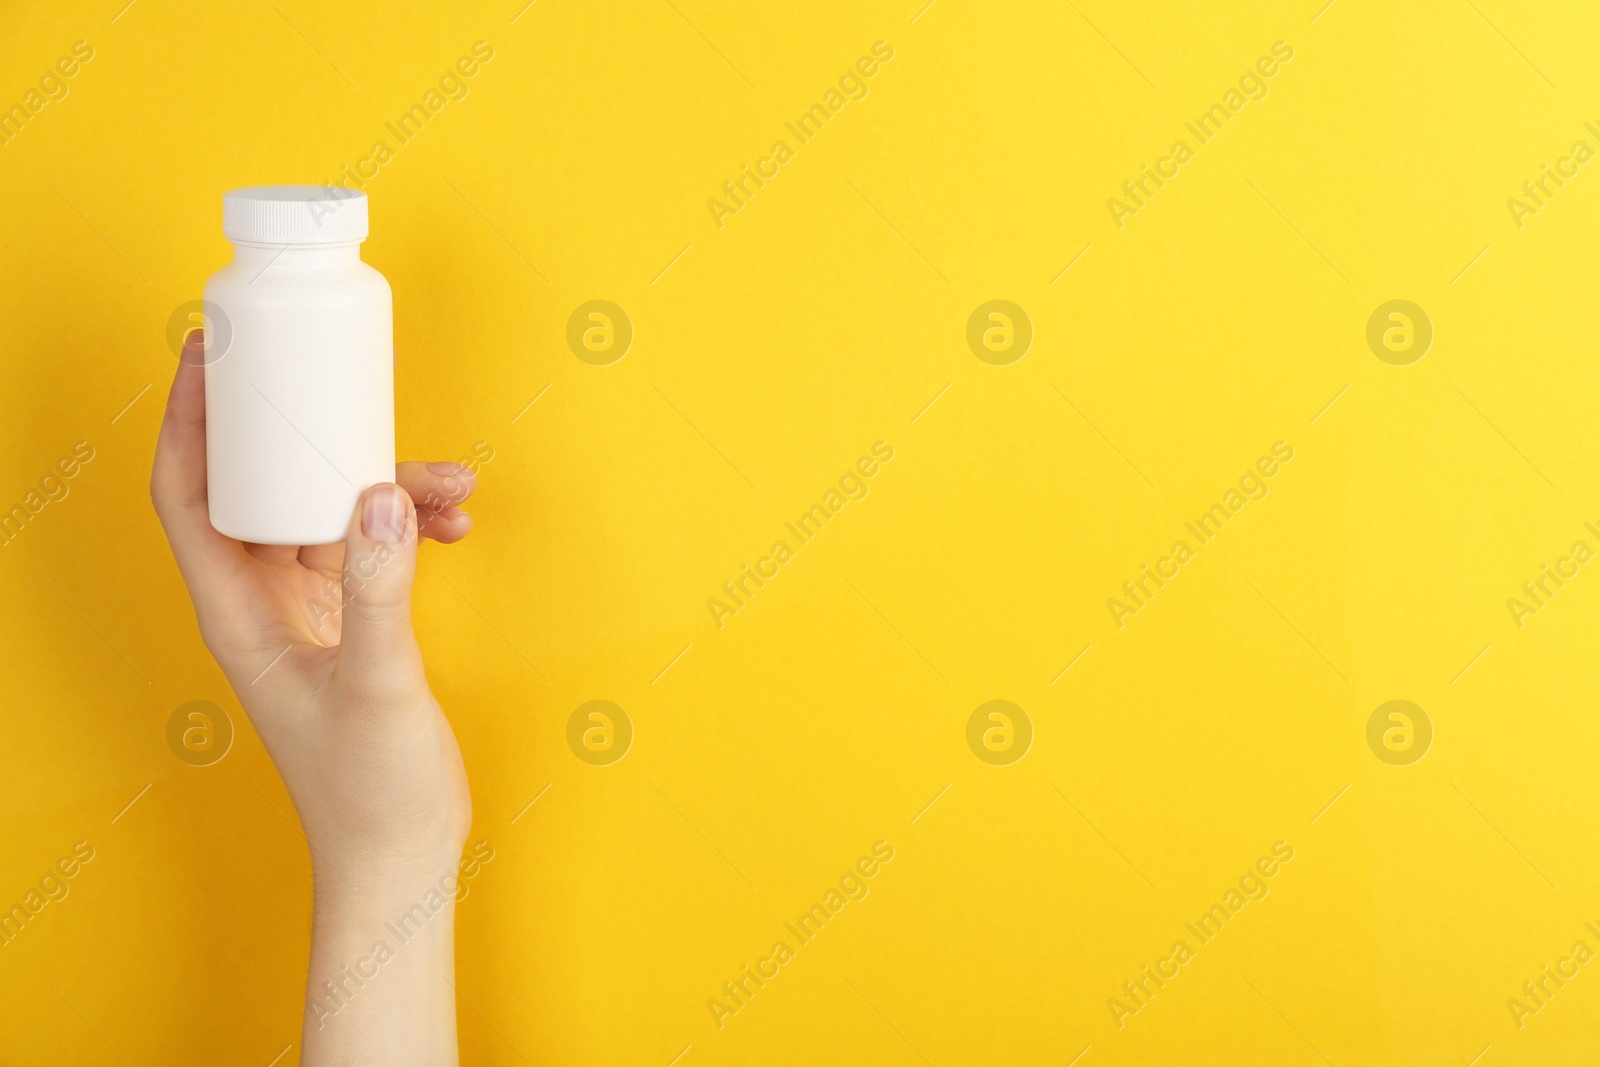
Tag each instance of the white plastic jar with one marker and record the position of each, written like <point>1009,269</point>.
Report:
<point>299,367</point>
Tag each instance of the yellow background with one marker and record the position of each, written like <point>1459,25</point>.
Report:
<point>827,715</point>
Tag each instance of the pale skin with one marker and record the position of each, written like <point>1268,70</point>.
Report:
<point>347,716</point>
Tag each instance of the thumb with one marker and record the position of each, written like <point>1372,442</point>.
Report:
<point>378,653</point>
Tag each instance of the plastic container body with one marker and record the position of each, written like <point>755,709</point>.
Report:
<point>300,396</point>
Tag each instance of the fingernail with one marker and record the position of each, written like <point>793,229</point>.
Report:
<point>447,469</point>
<point>384,516</point>
<point>194,348</point>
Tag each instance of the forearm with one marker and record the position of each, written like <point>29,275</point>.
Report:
<point>380,988</point>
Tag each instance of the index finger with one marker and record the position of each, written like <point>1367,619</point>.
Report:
<point>178,476</point>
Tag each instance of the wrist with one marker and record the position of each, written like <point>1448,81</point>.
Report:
<point>357,883</point>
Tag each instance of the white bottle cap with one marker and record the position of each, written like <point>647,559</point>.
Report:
<point>294,215</point>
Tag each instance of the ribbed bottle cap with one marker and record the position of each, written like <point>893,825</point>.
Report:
<point>294,215</point>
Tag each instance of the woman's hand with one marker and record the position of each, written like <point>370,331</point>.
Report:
<point>317,643</point>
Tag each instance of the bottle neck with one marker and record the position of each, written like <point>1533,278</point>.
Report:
<point>261,257</point>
